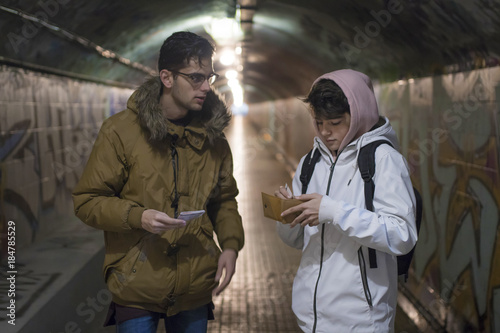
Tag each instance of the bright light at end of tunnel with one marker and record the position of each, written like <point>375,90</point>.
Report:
<point>225,29</point>
<point>237,91</point>
<point>227,57</point>
<point>231,74</point>
<point>238,106</point>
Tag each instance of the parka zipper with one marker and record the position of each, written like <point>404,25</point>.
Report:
<point>175,166</point>
<point>322,251</point>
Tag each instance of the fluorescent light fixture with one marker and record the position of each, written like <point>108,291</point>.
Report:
<point>224,30</point>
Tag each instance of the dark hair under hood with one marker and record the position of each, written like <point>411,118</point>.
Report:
<point>358,89</point>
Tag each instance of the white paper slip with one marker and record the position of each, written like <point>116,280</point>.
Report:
<point>186,216</point>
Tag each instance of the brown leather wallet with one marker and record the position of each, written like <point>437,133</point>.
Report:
<point>274,206</point>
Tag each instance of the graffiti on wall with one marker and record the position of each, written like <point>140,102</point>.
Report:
<point>47,125</point>
<point>448,126</point>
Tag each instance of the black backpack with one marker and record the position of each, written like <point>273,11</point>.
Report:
<point>366,164</point>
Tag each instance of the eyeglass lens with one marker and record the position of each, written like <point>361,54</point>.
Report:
<point>198,78</point>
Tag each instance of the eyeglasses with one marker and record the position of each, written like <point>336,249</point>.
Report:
<point>197,78</point>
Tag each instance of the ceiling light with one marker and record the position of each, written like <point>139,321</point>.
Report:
<point>224,30</point>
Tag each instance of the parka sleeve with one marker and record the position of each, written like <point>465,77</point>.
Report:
<point>96,197</point>
<point>391,228</point>
<point>222,207</point>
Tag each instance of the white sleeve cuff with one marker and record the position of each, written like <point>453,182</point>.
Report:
<point>329,210</point>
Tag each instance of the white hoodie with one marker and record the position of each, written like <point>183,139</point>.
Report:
<point>328,291</point>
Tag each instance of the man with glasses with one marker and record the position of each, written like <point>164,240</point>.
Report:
<point>159,182</point>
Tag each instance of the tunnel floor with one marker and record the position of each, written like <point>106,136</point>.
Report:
<point>259,296</point>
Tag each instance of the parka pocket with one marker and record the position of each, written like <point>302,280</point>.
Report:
<point>204,258</point>
<point>207,240</point>
<point>127,265</point>
<point>207,228</point>
<point>132,278</point>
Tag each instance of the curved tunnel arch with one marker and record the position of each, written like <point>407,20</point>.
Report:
<point>388,40</point>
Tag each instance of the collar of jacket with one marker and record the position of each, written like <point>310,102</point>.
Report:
<point>382,130</point>
<point>208,123</point>
<point>194,133</point>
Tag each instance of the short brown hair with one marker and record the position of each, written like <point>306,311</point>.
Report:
<point>178,49</point>
<point>327,100</point>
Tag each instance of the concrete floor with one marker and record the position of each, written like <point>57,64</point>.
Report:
<point>259,296</point>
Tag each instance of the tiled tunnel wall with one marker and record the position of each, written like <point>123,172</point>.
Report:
<point>448,128</point>
<point>48,125</point>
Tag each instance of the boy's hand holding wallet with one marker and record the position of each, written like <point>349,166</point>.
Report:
<point>274,206</point>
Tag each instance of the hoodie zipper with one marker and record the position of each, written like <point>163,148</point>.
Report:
<point>322,249</point>
<point>361,258</point>
<point>364,279</point>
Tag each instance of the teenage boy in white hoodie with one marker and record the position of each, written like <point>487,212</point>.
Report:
<point>334,289</point>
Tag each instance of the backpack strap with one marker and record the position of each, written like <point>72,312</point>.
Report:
<point>366,165</point>
<point>404,260</point>
<point>308,168</point>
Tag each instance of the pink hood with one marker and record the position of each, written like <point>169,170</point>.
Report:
<point>359,92</point>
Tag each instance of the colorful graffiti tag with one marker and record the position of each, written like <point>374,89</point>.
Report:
<point>449,131</point>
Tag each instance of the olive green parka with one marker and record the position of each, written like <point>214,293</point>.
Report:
<point>140,161</point>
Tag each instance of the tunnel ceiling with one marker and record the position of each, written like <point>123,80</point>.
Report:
<point>286,44</point>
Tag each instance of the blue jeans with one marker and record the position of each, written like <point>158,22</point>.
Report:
<point>191,321</point>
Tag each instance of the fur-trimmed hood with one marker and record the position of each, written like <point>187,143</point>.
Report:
<point>212,119</point>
